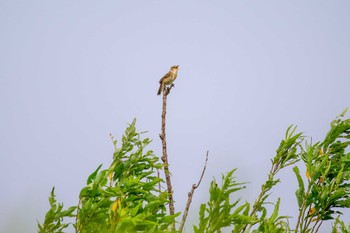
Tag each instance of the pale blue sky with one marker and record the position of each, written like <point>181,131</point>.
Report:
<point>71,72</point>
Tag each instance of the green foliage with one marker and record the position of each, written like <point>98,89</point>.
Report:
<point>328,172</point>
<point>217,213</point>
<point>241,219</point>
<point>339,226</point>
<point>273,224</point>
<point>54,217</point>
<point>286,154</point>
<point>327,188</point>
<point>127,196</point>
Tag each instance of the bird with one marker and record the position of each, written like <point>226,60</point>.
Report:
<point>168,78</point>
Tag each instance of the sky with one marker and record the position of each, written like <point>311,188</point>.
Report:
<point>72,72</point>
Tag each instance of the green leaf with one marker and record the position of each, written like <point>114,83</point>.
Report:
<point>93,175</point>
<point>300,192</point>
<point>343,112</point>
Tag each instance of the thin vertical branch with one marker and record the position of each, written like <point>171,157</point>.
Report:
<point>77,229</point>
<point>319,226</point>
<point>165,154</point>
<point>190,195</point>
<point>158,175</point>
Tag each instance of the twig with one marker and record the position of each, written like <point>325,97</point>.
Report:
<point>319,226</point>
<point>302,212</point>
<point>190,194</point>
<point>76,218</point>
<point>166,91</point>
<point>159,187</point>
<point>264,189</point>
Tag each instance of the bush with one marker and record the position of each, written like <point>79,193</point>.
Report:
<point>127,196</point>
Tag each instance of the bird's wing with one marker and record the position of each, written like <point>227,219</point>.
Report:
<point>164,77</point>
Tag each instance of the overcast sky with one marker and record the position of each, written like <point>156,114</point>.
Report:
<point>72,72</point>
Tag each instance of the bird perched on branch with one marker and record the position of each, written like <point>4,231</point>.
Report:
<point>168,78</point>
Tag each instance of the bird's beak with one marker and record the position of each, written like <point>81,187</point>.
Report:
<point>177,66</point>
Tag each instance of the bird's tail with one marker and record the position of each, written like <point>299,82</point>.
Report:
<point>160,89</point>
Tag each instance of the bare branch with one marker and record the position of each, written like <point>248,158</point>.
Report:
<point>190,195</point>
<point>166,91</point>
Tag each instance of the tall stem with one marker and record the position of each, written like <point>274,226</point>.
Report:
<point>165,155</point>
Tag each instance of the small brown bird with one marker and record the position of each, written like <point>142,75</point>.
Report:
<point>168,78</point>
